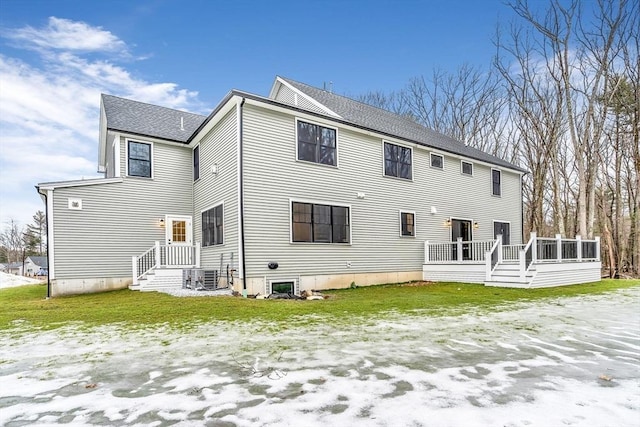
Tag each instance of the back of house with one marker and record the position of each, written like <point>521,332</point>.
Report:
<point>300,190</point>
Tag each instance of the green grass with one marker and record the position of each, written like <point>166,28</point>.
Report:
<point>132,308</point>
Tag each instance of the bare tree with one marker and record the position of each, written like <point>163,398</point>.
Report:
<point>12,238</point>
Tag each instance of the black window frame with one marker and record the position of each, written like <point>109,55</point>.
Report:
<point>196,163</point>
<point>320,223</point>
<point>395,164</point>
<point>462,164</point>
<point>406,229</point>
<point>213,226</point>
<point>315,143</point>
<point>496,186</point>
<point>133,160</point>
<point>499,227</point>
<point>436,155</point>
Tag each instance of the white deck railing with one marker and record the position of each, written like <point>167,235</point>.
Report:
<point>493,252</point>
<point>164,256</point>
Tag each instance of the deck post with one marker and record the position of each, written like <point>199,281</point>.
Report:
<point>534,246</point>
<point>499,248</point>
<point>598,248</point>
<point>459,251</point>
<point>197,255</point>
<point>426,252</point>
<point>579,247</point>
<point>157,254</point>
<point>559,247</point>
<point>134,268</point>
<point>487,266</point>
<point>522,255</point>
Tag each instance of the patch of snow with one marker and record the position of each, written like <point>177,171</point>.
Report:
<point>385,370</point>
<point>11,280</point>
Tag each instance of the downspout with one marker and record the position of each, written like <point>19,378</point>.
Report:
<point>241,190</point>
<point>46,216</point>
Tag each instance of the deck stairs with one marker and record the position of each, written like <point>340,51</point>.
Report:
<point>507,274</point>
<point>159,280</point>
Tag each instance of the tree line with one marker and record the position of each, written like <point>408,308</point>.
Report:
<point>561,99</point>
<point>18,242</point>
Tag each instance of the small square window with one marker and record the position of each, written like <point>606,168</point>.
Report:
<point>317,144</point>
<point>407,224</point>
<point>467,168</point>
<point>437,161</point>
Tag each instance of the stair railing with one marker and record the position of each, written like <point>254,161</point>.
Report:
<point>527,256</point>
<point>493,257</point>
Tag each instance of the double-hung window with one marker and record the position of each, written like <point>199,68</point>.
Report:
<point>496,178</point>
<point>319,223</point>
<point>213,226</point>
<point>407,224</point>
<point>317,144</point>
<point>139,159</point>
<point>397,161</point>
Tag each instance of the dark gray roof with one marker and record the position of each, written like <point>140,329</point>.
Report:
<point>40,261</point>
<point>392,124</point>
<point>151,120</point>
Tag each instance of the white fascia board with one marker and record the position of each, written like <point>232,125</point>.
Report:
<point>305,96</point>
<point>102,139</point>
<point>49,186</point>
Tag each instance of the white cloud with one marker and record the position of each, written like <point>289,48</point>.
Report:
<point>49,109</point>
<point>68,35</point>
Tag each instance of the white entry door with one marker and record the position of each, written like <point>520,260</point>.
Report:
<point>179,240</point>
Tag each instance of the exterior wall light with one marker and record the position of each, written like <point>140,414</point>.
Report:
<point>447,223</point>
<point>161,222</point>
<point>476,225</point>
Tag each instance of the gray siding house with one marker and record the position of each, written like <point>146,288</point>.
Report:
<point>303,189</point>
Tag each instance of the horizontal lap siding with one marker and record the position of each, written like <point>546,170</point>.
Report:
<point>274,176</point>
<point>219,146</point>
<point>119,220</point>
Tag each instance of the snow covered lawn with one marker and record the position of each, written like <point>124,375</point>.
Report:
<point>568,361</point>
<point>11,280</point>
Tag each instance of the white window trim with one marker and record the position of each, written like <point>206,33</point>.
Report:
<point>307,162</point>
<point>462,168</point>
<point>317,202</point>
<point>385,141</point>
<point>116,156</point>
<point>296,285</point>
<point>493,225</point>
<point>431,155</point>
<point>126,148</point>
<point>491,181</point>
<point>415,230</point>
<point>224,222</point>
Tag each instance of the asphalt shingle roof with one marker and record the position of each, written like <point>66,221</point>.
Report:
<point>151,120</point>
<point>40,261</point>
<point>390,123</point>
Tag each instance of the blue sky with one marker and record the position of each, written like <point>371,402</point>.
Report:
<point>56,57</point>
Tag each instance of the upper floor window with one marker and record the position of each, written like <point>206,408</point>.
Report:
<point>213,226</point>
<point>407,224</point>
<point>496,178</point>
<point>397,161</point>
<point>196,163</point>
<point>466,168</point>
<point>139,159</point>
<point>319,223</point>
<point>316,144</point>
<point>437,161</point>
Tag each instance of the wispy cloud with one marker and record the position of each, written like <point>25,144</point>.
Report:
<point>49,108</point>
<point>65,34</point>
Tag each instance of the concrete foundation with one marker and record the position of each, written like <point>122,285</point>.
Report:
<point>88,286</point>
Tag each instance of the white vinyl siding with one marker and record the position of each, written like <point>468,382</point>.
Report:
<point>274,177</point>
<point>219,149</point>
<point>119,220</point>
